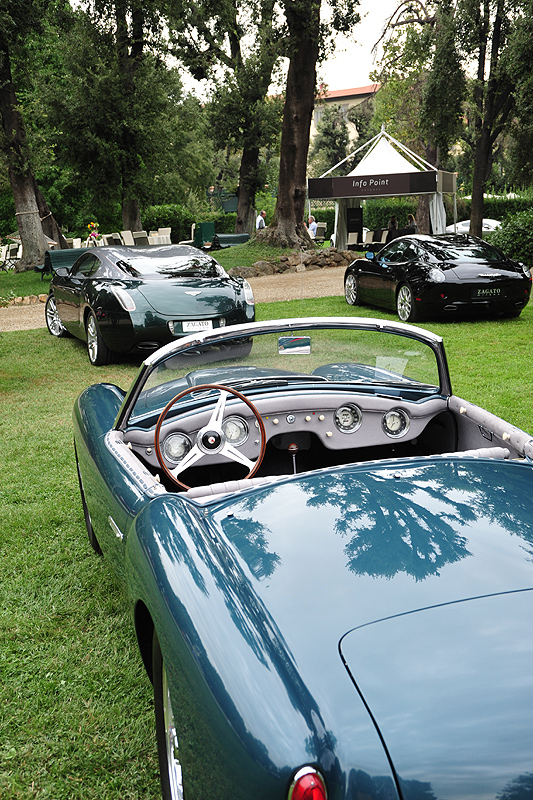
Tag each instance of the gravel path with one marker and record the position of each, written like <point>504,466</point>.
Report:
<point>267,289</point>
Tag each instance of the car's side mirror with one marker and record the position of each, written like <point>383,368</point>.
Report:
<point>370,255</point>
<point>63,272</point>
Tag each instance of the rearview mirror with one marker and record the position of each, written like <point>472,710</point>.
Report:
<point>370,255</point>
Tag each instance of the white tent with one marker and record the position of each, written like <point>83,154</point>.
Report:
<point>388,169</point>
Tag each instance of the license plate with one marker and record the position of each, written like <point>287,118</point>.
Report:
<point>192,325</point>
<point>487,291</point>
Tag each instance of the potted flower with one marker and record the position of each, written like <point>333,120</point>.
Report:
<point>94,237</point>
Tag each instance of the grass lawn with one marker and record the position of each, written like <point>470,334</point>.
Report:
<point>77,716</point>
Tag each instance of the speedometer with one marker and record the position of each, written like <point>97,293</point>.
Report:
<point>235,430</point>
<point>348,418</point>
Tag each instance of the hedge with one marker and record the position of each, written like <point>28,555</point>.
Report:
<point>180,220</point>
<point>377,213</point>
<point>515,237</point>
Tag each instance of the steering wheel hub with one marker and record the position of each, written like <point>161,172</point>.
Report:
<point>210,441</point>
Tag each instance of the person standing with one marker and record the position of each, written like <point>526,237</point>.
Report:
<point>412,227</point>
<point>312,227</point>
<point>260,221</point>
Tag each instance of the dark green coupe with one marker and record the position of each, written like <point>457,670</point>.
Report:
<point>135,299</point>
<point>328,557</point>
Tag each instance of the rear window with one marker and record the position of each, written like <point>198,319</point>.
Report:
<point>463,249</point>
<point>189,266</point>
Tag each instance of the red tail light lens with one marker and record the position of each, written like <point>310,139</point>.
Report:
<point>308,784</point>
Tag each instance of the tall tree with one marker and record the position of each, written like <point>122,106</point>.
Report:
<point>287,228</point>
<point>481,32</point>
<point>118,116</point>
<point>18,20</point>
<point>235,46</point>
<point>487,29</point>
<point>306,40</point>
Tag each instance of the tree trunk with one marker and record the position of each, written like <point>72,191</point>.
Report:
<point>482,168</point>
<point>20,175</point>
<point>49,224</point>
<point>493,104</point>
<point>287,228</point>
<point>422,214</point>
<point>129,55</point>
<point>131,215</point>
<point>245,222</point>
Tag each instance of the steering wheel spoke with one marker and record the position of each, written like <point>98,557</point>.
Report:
<point>234,454</point>
<point>210,440</point>
<point>193,456</point>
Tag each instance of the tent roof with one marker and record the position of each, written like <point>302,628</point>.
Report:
<point>384,158</point>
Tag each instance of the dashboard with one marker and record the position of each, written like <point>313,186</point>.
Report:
<point>339,420</point>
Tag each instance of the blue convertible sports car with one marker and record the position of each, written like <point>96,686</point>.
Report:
<point>329,562</point>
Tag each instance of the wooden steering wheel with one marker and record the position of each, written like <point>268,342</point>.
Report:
<point>211,440</point>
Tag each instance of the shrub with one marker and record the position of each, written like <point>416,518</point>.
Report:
<point>515,237</point>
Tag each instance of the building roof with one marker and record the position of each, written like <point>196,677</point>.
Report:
<point>337,94</point>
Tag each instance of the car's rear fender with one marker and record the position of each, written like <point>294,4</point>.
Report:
<point>220,643</point>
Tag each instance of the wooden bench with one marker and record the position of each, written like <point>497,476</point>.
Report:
<point>54,259</point>
<point>223,240</point>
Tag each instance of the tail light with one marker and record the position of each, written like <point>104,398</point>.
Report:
<point>308,784</point>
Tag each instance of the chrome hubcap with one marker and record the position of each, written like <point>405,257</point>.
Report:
<point>350,290</point>
<point>404,303</point>
<point>92,339</point>
<point>174,766</point>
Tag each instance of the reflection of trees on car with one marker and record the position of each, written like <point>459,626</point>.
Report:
<point>392,526</point>
<point>521,788</point>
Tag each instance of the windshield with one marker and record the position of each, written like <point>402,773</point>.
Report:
<point>368,361</point>
<point>197,265</point>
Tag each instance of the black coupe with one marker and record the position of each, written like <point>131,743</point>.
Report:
<point>135,299</point>
<point>451,274</point>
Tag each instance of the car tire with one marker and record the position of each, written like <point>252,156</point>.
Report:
<point>167,740</point>
<point>53,321</point>
<point>351,289</point>
<point>405,304</point>
<point>98,351</point>
<point>93,541</point>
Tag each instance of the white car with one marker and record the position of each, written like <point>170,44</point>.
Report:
<point>464,226</point>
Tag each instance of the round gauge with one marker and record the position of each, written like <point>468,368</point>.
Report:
<point>176,446</point>
<point>348,418</point>
<point>235,430</point>
<point>395,422</point>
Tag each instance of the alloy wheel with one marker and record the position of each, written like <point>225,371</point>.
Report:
<point>53,320</point>
<point>351,292</point>
<point>405,304</point>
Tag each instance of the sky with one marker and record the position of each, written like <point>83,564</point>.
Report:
<point>353,60</point>
<point>350,66</point>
